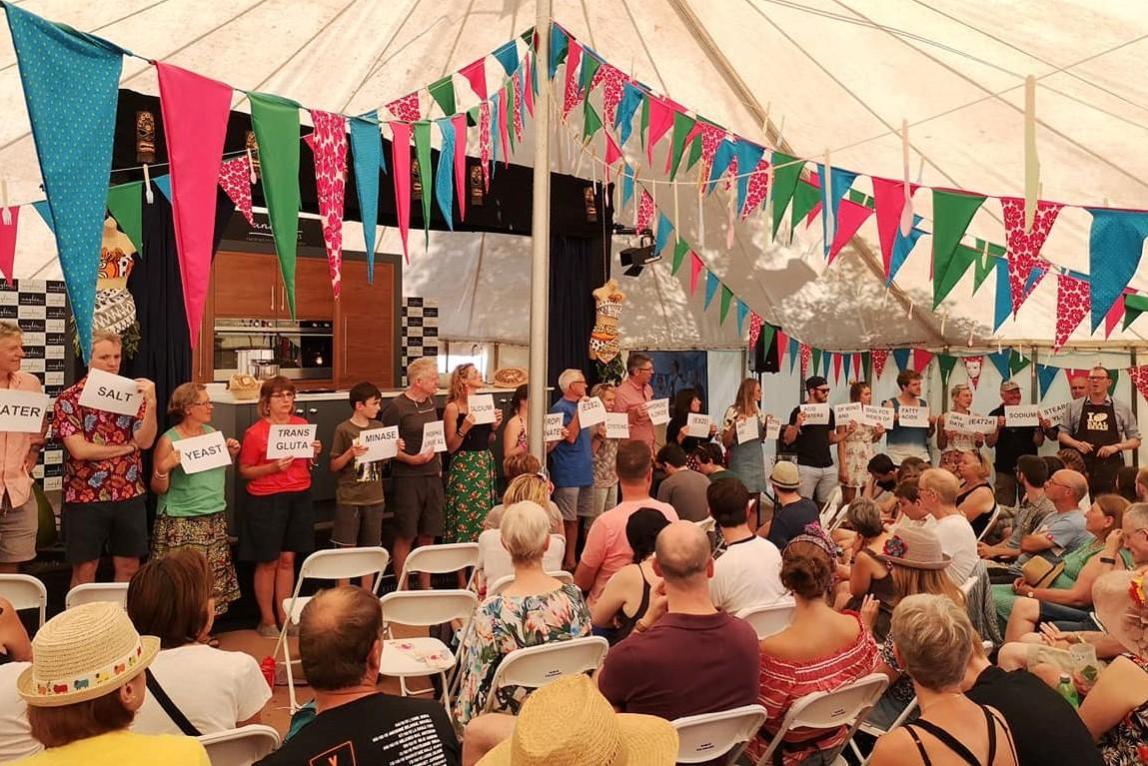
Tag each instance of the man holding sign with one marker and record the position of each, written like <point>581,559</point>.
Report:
<point>633,393</point>
<point>572,462</point>
<point>903,440</point>
<point>103,473</point>
<point>1010,442</point>
<point>19,453</point>
<point>1100,429</point>
<point>811,440</point>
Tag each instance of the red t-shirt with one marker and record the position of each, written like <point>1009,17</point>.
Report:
<point>254,453</point>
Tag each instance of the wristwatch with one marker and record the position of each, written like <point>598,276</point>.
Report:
<point>1107,560</point>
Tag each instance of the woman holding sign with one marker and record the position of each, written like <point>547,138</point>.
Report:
<point>745,456</point>
<point>953,439</point>
<point>188,481</point>
<point>279,520</point>
<point>855,448</point>
<point>470,479</point>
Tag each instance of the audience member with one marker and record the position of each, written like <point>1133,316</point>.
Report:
<point>15,735</point>
<point>910,468</point>
<point>340,644</point>
<point>493,560</point>
<point>819,651</point>
<point>1034,507</point>
<point>682,488</point>
<point>746,458</point>
<point>605,457</point>
<point>855,446</point>
<point>514,442</point>
<point>527,485</point>
<point>1142,485</point>
<point>953,443</point>
<point>1069,458</point>
<point>571,462</point>
<point>792,512</point>
<point>869,574</point>
<point>748,573</point>
<point>903,442</point>
<point>934,639</point>
<point>1126,483</point>
<point>811,443</point>
<point>533,609</point>
<point>633,394</point>
<point>710,463</point>
<point>627,596</point>
<point>104,494</point>
<point>80,707</point>
<point>685,657</point>
<point>1010,443</point>
<point>1100,429</point>
<point>20,452</point>
<point>908,496</point>
<point>1061,532</point>
<point>210,689</point>
<point>975,498</point>
<point>937,489</point>
<point>606,549</point>
<point>470,477</point>
<point>881,483</point>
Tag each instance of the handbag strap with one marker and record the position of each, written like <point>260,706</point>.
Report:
<point>169,707</point>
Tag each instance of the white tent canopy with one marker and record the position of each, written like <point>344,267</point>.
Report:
<point>836,75</point>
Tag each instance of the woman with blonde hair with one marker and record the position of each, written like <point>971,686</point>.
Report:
<point>190,507</point>
<point>493,561</point>
<point>950,441</point>
<point>605,452</point>
<point>975,498</point>
<point>855,448</point>
<point>470,478</point>
<point>745,459</point>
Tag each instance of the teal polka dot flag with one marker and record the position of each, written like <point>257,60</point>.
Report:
<point>71,82</point>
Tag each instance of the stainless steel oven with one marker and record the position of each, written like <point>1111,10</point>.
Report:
<point>302,350</point>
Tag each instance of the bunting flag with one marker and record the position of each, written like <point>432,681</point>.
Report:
<point>946,363</point>
<point>71,85</point>
<point>748,156</point>
<point>806,354</point>
<point>8,244</point>
<point>782,342</point>
<point>806,204</point>
<point>836,368</point>
<point>889,201</point>
<point>1073,301</point>
<point>235,179</point>
<point>661,120</point>
<point>163,183</point>
<point>711,288</point>
<point>572,93</point>
<point>1115,245</point>
<point>696,268</point>
<point>125,205</point>
<point>680,249</point>
<point>1000,360</point>
<point>475,74</point>
<point>530,84</point>
<point>901,357</point>
<point>613,152</point>
<point>758,188</point>
<point>632,98</point>
<point>484,142</point>
<point>591,122</point>
<point>406,108</point>
<point>503,127</point>
<point>726,298</point>
<point>816,361</point>
<point>423,155</point>
<point>1017,362</point>
<point>952,214</point>
<point>367,154</point>
<point>1139,377</point>
<point>867,364</point>
<point>458,122</point>
<point>826,358</point>
<point>1045,374</point>
<point>847,364</point>
<point>786,174</point>
<point>921,359</point>
<point>495,133</point>
<point>1134,306</point>
<point>742,313</point>
<point>794,352</point>
<point>329,146</point>
<point>878,356</point>
<point>850,217</point>
<point>507,55</point>
<point>831,196</point>
<point>627,184</point>
<point>755,324</point>
<point>973,366</point>
<point>645,212</point>
<point>195,111</point>
<point>682,134</point>
<point>665,231</point>
<point>519,124</point>
<point>401,162</point>
<point>722,161</point>
<point>612,80</point>
<point>1113,317</point>
<point>902,246</point>
<point>45,211</point>
<point>1002,301</point>
<point>1025,266</point>
<point>442,91</point>
<point>443,181</point>
<point>276,123</point>
<point>558,43</point>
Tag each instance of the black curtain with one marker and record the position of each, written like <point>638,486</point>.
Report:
<point>573,266</point>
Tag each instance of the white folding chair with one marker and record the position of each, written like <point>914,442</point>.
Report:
<point>332,564</point>
<point>25,592</point>
<point>769,619</point>
<point>500,584</point>
<point>970,583</point>
<point>240,747</point>
<point>845,706</point>
<point>536,666</point>
<point>116,592</point>
<point>707,525</point>
<point>992,523</point>
<point>829,510</point>
<point>439,559</point>
<point>875,731</point>
<point>703,738</point>
<point>407,657</point>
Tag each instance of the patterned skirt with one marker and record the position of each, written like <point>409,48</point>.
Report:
<point>469,495</point>
<point>208,535</point>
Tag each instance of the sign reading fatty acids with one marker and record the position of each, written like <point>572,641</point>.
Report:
<point>111,393</point>
<point>291,440</point>
<point>202,453</point>
<point>22,411</point>
<point>381,444</point>
<point>913,416</point>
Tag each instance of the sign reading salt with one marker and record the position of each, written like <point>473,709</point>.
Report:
<point>482,408</point>
<point>22,411</point>
<point>111,393</point>
<point>659,411</point>
<point>202,453</point>
<point>617,425</point>
<point>591,412</point>
<point>291,440</point>
<point>381,444</point>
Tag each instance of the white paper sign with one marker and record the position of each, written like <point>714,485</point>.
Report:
<point>553,427</point>
<point>746,430</point>
<point>591,412</point>
<point>22,412</point>
<point>816,414</point>
<point>872,415</point>
<point>202,453</point>
<point>1021,415</point>
<point>482,408</point>
<point>772,427</point>
<point>381,444</point>
<point>617,425</point>
<point>958,422</point>
<point>913,416</point>
<point>1054,413</point>
<point>434,438</point>
<point>111,393</point>
<point>698,425</point>
<point>659,411</point>
<point>845,414</point>
<point>983,424</point>
<point>291,441</point>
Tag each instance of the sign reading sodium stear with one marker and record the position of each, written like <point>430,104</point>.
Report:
<point>22,412</point>
<point>111,393</point>
<point>202,453</point>
<point>291,440</point>
<point>381,444</point>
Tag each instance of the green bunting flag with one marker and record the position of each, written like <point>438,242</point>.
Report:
<point>867,364</point>
<point>816,362</point>
<point>591,122</point>
<point>683,124</point>
<point>590,66</point>
<point>125,205</point>
<point>695,154</point>
<point>726,297</point>
<point>644,125</point>
<point>680,250</point>
<point>986,263</point>
<point>963,258</point>
<point>1016,363</point>
<point>952,214</point>
<point>785,180</point>
<point>946,362</point>
<point>442,91</point>
<point>1134,306</point>
<point>423,155</point>
<point>805,198</point>
<point>276,123</point>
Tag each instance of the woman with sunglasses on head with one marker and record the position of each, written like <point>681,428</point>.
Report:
<point>470,478</point>
<point>190,506</point>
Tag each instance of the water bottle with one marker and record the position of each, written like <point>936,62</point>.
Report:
<point>1068,690</point>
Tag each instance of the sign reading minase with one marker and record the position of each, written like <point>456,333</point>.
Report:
<point>381,444</point>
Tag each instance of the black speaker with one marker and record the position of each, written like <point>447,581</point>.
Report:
<point>764,358</point>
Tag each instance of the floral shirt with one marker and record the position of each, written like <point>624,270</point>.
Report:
<point>605,469</point>
<point>92,481</point>
<point>505,623</point>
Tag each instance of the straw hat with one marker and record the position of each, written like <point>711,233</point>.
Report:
<point>1121,602</point>
<point>84,653</point>
<point>915,546</point>
<point>570,723</point>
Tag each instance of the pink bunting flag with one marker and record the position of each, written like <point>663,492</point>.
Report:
<point>475,74</point>
<point>973,367</point>
<point>195,111</point>
<point>758,188</point>
<point>613,153</point>
<point>458,122</point>
<point>484,141</point>
<point>401,163</point>
<point>516,85</point>
<point>857,371</point>
<point>850,217</point>
<point>572,91</point>
<point>528,85</point>
<point>8,245</point>
<point>889,199</point>
<point>806,358</point>
<point>645,212</point>
<point>1139,377</point>
<point>696,269</point>
<point>329,145</point>
<point>504,126</point>
<point>1113,317</point>
<point>921,359</point>
<point>235,178</point>
<point>1024,247</point>
<point>614,81</point>
<point>661,120</point>
<point>755,325</point>
<point>406,108</point>
<point>782,345</point>
<point>712,136</point>
<point>1074,302</point>
<point>836,368</point>
<point>879,356</point>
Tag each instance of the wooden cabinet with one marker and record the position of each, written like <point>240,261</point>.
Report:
<point>365,326</point>
<point>246,286</point>
<point>313,296</point>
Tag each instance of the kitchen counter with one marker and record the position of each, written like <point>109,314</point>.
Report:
<point>220,395</point>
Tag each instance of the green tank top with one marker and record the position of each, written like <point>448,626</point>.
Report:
<point>197,494</point>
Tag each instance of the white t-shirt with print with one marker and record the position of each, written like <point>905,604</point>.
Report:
<point>747,574</point>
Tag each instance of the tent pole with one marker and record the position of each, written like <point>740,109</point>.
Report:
<point>538,401</point>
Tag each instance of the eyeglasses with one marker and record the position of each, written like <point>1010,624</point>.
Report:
<point>283,395</point>
<point>1097,377</point>
<point>645,369</point>
<point>822,390</point>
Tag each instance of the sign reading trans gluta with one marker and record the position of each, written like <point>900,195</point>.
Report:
<point>22,411</point>
<point>291,441</point>
<point>202,453</point>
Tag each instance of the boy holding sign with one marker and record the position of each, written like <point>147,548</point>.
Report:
<point>103,474</point>
<point>279,519</point>
<point>19,453</point>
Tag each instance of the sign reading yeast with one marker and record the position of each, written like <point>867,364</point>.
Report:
<point>482,407</point>
<point>202,453</point>
<point>22,411</point>
<point>291,440</point>
<point>381,444</point>
<point>111,393</point>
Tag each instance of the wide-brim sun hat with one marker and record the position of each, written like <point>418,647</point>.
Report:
<point>570,723</point>
<point>1121,602</point>
<point>915,546</point>
<point>84,653</point>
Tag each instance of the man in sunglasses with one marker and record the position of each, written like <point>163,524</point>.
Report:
<point>1100,429</point>
<point>812,442</point>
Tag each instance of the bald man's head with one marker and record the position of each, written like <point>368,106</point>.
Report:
<point>1070,487</point>
<point>337,632</point>
<point>682,553</point>
<point>941,486</point>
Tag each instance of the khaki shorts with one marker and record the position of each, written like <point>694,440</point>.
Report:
<point>18,531</point>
